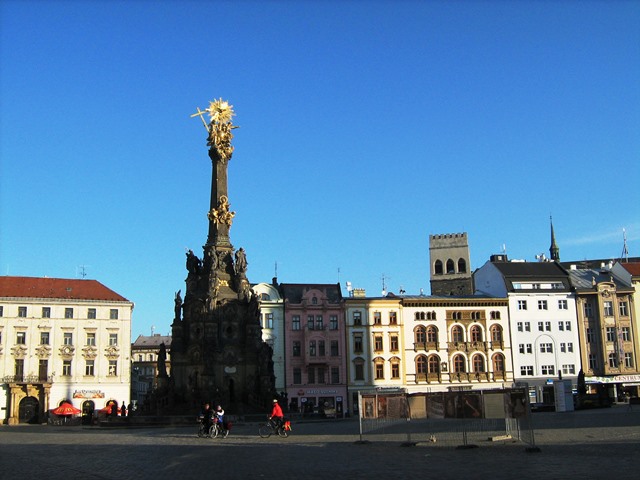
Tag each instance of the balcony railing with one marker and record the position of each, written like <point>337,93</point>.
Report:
<point>27,379</point>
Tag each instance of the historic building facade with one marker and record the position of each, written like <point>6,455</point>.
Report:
<point>145,353</point>
<point>450,264</point>
<point>61,340</point>
<point>316,378</point>
<point>542,316</point>
<point>272,319</point>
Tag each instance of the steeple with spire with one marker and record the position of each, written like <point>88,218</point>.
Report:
<point>554,251</point>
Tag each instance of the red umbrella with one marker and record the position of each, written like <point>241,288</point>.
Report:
<point>66,409</point>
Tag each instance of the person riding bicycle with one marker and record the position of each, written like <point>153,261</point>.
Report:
<point>206,416</point>
<point>276,416</point>
<point>219,416</point>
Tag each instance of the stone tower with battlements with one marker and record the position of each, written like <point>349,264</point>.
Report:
<point>450,265</point>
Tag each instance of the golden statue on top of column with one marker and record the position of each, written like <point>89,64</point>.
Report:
<point>219,127</point>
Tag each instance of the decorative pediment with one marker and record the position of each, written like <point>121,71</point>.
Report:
<point>112,352</point>
<point>67,351</point>
<point>19,351</point>
<point>43,351</point>
<point>89,352</point>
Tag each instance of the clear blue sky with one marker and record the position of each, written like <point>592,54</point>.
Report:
<point>364,128</point>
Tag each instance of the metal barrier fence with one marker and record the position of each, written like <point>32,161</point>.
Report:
<point>447,419</point>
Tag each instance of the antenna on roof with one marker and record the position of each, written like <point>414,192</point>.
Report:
<point>625,251</point>
<point>384,285</point>
<point>81,271</point>
<point>153,329</point>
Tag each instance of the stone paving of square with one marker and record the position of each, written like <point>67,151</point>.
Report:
<point>580,444</point>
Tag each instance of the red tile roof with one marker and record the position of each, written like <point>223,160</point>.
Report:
<point>632,268</point>
<point>35,287</point>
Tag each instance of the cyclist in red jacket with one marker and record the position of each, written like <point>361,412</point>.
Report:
<point>276,414</point>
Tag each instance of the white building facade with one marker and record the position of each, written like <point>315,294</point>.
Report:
<point>272,320</point>
<point>61,340</point>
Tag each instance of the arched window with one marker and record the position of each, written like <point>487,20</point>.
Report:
<point>456,315</point>
<point>431,315</point>
<point>462,266</point>
<point>459,364</point>
<point>476,333</point>
<point>421,364</point>
<point>495,315</point>
<point>450,266</point>
<point>420,334</point>
<point>496,333</point>
<point>457,334</point>
<point>437,268</point>
<point>478,363</point>
<point>265,296</point>
<point>432,334</point>
<point>395,367</point>
<point>434,364</point>
<point>314,301</point>
<point>498,363</point>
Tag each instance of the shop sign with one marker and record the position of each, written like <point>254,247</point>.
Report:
<point>88,394</point>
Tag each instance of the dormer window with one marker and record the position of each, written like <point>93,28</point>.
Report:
<point>314,301</point>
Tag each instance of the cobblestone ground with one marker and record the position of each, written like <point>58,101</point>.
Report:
<point>572,445</point>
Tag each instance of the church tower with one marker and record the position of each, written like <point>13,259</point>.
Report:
<point>450,265</point>
<point>554,251</point>
<point>217,352</point>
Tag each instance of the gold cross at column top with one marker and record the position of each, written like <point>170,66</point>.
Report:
<point>200,114</point>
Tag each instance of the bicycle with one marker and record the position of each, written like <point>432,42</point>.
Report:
<point>271,428</point>
<point>204,431</point>
<point>218,430</point>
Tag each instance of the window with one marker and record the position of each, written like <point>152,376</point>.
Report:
<point>432,334</point>
<point>588,310</point>
<point>562,305</point>
<point>457,334</point>
<point>334,348</point>
<point>626,334</point>
<point>563,347</point>
<point>476,334</point>
<point>43,369</point>
<point>628,360</point>
<point>420,335</point>
<point>526,370</point>
<point>458,364</point>
<point>335,375</point>
<point>379,370</point>
<point>333,322</point>
<point>91,313</point>
<point>593,362</point>
<point>561,326</point>
<point>321,375</point>
<point>520,327</point>
<point>547,326</point>
<point>608,309</point>
<point>297,376</point>
<point>476,316</point>
<point>570,347</point>
<point>357,318</point>
<point>613,360</point>
<point>295,322</point>
<point>357,343</point>
<point>44,338</point>
<point>478,364</point>
<point>66,368</point>
<point>89,368</point>
<point>113,314</point>
<point>541,326</point>
<point>91,339</point>
<point>296,349</point>
<point>529,348</point>
<point>113,339</point>
<point>22,311</point>
<point>421,365</point>
<point>462,266</point>
<point>611,334</point>
<point>113,368</point>
<point>312,348</point>
<point>358,369</point>
<point>19,368</point>
<point>434,364</point>
<point>377,343</point>
<point>393,318</point>
<point>310,319</point>
<point>1,311</point>
<point>431,316</point>
<point>546,348</point>
<point>498,363</point>
<point>395,369</point>
<point>527,327</point>
<point>46,312</point>
<point>548,370</point>
<point>321,350</point>
<point>495,315</point>
<point>377,318</point>
<point>265,297</point>
<point>450,266</point>
<point>314,301</point>
<point>591,338</point>
<point>522,304</point>
<point>542,305</point>
<point>21,338</point>
<point>521,348</point>
<point>319,322</point>
<point>68,312</point>
<point>437,267</point>
<point>268,320</point>
<point>623,309</point>
<point>456,315</point>
<point>68,338</point>
<point>393,343</point>
<point>569,369</point>
<point>311,375</point>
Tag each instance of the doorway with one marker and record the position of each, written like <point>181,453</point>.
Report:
<point>28,410</point>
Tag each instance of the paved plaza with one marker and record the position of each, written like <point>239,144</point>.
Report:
<point>583,444</point>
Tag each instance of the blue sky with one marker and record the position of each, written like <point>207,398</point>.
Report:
<point>365,126</point>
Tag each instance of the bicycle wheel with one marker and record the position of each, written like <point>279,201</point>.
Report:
<point>265,431</point>
<point>213,431</point>
<point>201,431</point>
<point>282,432</point>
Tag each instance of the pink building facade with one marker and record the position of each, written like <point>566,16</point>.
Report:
<point>315,350</point>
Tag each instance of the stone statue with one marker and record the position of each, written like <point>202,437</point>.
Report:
<point>193,262</point>
<point>241,261</point>
<point>178,304</point>
<point>162,361</point>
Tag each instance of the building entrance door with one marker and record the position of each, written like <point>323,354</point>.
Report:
<point>28,410</point>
